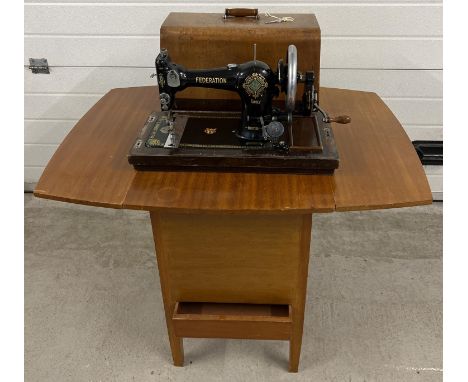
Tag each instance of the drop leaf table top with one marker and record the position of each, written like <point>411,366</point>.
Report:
<point>379,167</point>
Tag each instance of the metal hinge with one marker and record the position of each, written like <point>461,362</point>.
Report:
<point>39,65</point>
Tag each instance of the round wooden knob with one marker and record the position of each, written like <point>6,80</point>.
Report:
<point>343,119</point>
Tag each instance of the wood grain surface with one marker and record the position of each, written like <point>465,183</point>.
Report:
<point>90,166</point>
<point>252,259</point>
<point>378,166</point>
<point>230,192</point>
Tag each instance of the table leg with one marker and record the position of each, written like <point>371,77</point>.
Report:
<point>298,306</point>
<point>176,343</point>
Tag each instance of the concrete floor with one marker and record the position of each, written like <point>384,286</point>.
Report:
<point>93,309</point>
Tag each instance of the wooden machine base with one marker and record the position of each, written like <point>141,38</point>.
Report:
<point>208,143</point>
<point>233,276</point>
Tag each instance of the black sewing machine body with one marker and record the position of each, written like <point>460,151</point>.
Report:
<point>250,80</point>
<point>260,137</point>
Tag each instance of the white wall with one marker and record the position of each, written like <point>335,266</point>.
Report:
<point>391,47</point>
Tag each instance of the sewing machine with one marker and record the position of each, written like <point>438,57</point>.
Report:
<point>261,136</point>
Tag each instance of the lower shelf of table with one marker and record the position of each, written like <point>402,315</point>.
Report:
<point>221,320</point>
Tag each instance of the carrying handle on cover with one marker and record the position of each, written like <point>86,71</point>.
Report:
<point>241,12</point>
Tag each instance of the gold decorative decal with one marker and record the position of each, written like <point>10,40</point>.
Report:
<point>255,85</point>
<point>209,130</point>
<point>153,142</point>
<point>161,81</point>
<point>210,80</point>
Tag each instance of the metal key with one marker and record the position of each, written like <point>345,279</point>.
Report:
<point>275,21</point>
<point>278,19</point>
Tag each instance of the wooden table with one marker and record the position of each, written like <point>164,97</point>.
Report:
<point>233,248</point>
